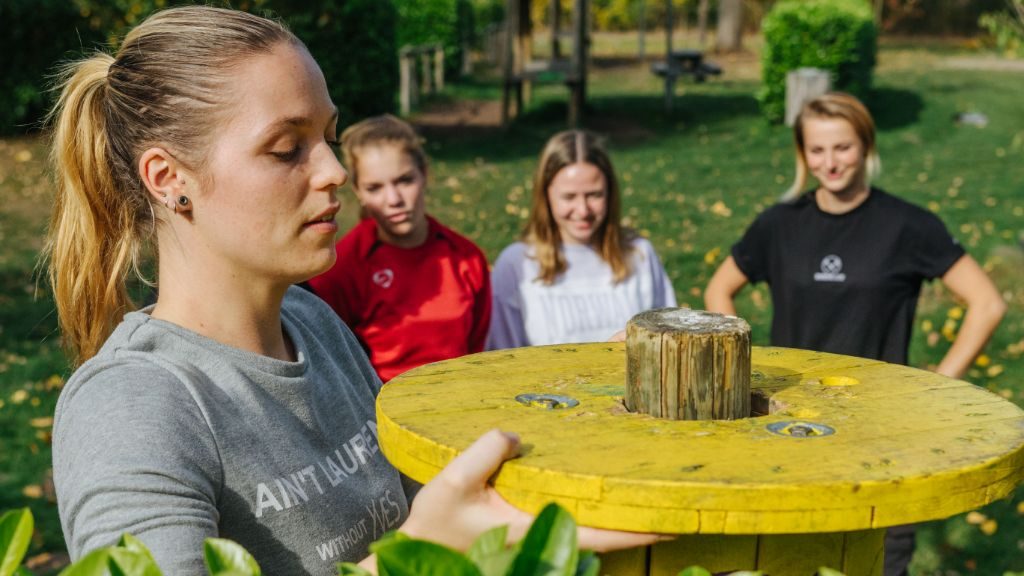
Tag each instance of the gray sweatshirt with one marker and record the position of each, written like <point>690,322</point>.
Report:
<point>175,437</point>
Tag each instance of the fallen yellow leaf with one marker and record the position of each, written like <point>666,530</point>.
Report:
<point>955,313</point>
<point>1020,508</point>
<point>975,518</point>
<point>45,422</point>
<point>720,209</point>
<point>989,527</point>
<point>982,360</point>
<point>32,491</point>
<point>994,371</point>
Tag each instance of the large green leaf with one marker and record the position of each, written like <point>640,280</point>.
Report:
<point>387,539</point>
<point>350,569</point>
<point>132,561</point>
<point>226,558</point>
<point>490,553</point>
<point>694,571</point>
<point>826,571</point>
<point>129,542</point>
<point>589,564</point>
<point>15,535</point>
<point>95,563</point>
<point>419,557</point>
<point>549,548</point>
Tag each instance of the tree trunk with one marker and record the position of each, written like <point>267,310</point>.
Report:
<point>702,23</point>
<point>730,25</point>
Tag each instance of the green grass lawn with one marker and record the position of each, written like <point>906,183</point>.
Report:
<point>692,181</point>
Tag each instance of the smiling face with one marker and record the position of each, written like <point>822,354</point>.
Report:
<point>391,188</point>
<point>578,196</point>
<point>267,201</point>
<point>835,155</point>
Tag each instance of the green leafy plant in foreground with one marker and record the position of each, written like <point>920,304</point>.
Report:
<point>548,549</point>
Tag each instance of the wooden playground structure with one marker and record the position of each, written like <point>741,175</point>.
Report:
<point>522,69</point>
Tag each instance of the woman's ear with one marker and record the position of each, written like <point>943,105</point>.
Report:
<point>164,178</point>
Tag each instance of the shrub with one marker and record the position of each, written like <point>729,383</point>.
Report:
<point>1006,29</point>
<point>30,48</point>
<point>354,41</point>
<point>433,21</point>
<point>835,35</point>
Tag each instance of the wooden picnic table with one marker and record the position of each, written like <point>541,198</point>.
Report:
<point>836,449</point>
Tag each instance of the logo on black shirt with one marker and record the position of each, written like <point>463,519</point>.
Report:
<point>831,270</point>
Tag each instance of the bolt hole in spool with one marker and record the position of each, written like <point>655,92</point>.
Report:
<point>547,401</point>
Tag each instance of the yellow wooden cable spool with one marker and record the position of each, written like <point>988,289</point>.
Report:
<point>846,447</point>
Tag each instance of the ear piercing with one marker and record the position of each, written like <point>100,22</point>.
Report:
<point>175,203</point>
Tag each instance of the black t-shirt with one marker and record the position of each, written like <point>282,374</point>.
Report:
<point>846,283</point>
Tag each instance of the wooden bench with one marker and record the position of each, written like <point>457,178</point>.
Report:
<point>683,63</point>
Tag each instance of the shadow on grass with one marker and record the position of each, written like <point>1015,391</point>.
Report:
<point>893,108</point>
<point>626,120</point>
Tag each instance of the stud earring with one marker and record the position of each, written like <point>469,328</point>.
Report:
<point>182,202</point>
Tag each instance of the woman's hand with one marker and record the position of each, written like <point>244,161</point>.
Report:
<point>458,504</point>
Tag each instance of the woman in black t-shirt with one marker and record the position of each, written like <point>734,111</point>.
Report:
<point>845,262</point>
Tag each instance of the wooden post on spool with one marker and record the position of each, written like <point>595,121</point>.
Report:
<point>688,365</point>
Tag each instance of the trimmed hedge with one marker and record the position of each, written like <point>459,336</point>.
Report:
<point>836,35</point>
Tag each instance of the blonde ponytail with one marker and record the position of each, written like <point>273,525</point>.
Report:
<point>164,87</point>
<point>92,242</point>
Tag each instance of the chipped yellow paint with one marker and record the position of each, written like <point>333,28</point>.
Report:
<point>908,445</point>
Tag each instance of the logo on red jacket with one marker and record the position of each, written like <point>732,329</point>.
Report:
<point>383,278</point>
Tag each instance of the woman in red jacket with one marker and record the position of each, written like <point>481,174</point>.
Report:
<point>411,289</point>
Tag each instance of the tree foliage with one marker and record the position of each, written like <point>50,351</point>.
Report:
<point>835,35</point>
<point>354,41</point>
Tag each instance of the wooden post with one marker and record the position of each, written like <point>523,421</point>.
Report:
<point>428,85</point>
<point>511,57</point>
<point>556,26</point>
<point>407,91</point>
<point>438,68</point>
<point>804,84</point>
<point>688,365</point>
<point>641,24</point>
<point>525,44</point>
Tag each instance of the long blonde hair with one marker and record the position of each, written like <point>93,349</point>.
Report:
<point>542,234</point>
<point>165,86</point>
<point>835,105</point>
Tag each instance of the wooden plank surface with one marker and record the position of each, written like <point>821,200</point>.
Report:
<point>907,446</point>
